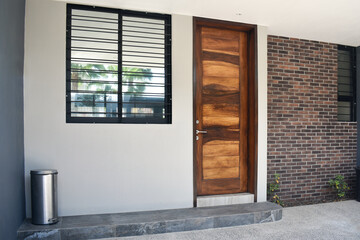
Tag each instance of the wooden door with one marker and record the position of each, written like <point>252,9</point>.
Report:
<point>222,109</point>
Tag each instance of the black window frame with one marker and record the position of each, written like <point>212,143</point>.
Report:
<point>350,99</point>
<point>168,68</point>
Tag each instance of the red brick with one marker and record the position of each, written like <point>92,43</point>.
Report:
<point>307,146</point>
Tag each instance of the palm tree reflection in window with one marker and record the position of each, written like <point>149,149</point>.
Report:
<point>95,89</point>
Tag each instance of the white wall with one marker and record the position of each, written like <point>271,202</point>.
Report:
<point>104,167</point>
<point>262,112</point>
<point>107,168</point>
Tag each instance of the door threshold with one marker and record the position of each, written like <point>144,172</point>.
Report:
<point>224,199</point>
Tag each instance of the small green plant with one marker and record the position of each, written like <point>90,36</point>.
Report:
<point>272,189</point>
<point>340,186</point>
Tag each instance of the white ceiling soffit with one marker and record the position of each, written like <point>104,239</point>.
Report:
<point>335,21</point>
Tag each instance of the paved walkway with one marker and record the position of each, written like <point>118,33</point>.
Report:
<point>340,220</point>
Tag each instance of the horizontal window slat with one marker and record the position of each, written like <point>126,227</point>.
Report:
<point>115,113</point>
<point>145,73</point>
<point>121,113</point>
<point>99,50</point>
<point>144,18</point>
<point>145,94</point>
<point>93,41</point>
<point>139,56</point>
<point>142,52</point>
<point>96,92</point>
<point>134,26</point>
<point>151,33</point>
<point>161,44</point>
<point>116,82</point>
<point>143,84</point>
<point>96,28</point>
<point>351,68</point>
<point>93,81</point>
<point>94,102</point>
<point>345,61</point>
<point>93,60</point>
<point>110,40</point>
<point>92,70</point>
<point>142,66</point>
<point>142,46</point>
<point>139,62</point>
<point>96,31</point>
<point>148,103</point>
<point>135,36</point>
<point>155,114</point>
<point>86,16</point>
<point>137,75</point>
<point>345,93</point>
<point>96,21</point>
<point>126,20</point>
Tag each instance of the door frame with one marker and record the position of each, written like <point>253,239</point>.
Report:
<point>253,108</point>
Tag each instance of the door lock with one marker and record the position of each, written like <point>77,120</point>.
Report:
<point>197,133</point>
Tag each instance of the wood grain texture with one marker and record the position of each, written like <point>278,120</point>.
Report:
<point>218,45</point>
<point>220,84</point>
<point>222,107</point>
<point>220,186</point>
<point>244,111</point>
<point>221,150</point>
<point>220,173</point>
<point>220,33</point>
<point>219,56</point>
<point>252,153</point>
<point>210,162</point>
<point>231,122</point>
<point>220,97</point>
<point>221,110</point>
<point>219,134</point>
<point>220,69</point>
<point>198,113</point>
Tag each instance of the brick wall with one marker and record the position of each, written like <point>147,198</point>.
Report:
<point>307,146</point>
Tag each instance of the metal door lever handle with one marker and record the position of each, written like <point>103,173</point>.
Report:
<point>199,131</point>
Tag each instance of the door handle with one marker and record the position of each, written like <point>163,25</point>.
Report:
<point>200,131</point>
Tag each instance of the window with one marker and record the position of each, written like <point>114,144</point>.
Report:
<point>118,66</point>
<point>346,83</point>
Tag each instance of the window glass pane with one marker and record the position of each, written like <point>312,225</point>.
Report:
<point>344,56</point>
<point>345,72</point>
<point>94,63</point>
<point>344,80</point>
<point>143,75</point>
<point>345,89</point>
<point>344,111</point>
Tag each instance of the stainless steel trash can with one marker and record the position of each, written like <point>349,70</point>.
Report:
<point>44,196</point>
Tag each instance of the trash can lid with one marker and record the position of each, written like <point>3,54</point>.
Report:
<point>44,171</point>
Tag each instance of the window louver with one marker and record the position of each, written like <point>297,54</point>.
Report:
<point>118,66</point>
<point>346,83</point>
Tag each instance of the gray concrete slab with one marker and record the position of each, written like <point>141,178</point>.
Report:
<point>340,220</point>
<point>151,222</point>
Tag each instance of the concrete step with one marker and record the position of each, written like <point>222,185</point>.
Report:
<point>151,222</point>
<point>224,199</point>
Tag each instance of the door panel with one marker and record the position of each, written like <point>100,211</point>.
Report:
<point>210,162</point>
<point>222,110</point>
<point>220,69</point>
<point>219,84</point>
<point>218,45</point>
